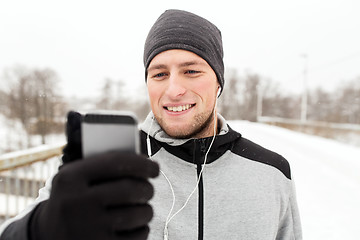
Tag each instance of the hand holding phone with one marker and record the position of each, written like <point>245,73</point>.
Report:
<point>102,196</point>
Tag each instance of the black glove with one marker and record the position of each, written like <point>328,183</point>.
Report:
<point>102,198</point>
<point>72,150</point>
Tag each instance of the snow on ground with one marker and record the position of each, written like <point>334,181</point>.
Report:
<point>327,178</point>
<point>13,136</point>
<point>9,135</point>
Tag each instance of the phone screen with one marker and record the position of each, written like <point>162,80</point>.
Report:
<point>104,132</point>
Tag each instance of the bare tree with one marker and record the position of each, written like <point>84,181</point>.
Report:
<point>33,99</point>
<point>19,96</point>
<point>46,101</point>
<point>241,95</point>
<point>250,97</point>
<point>112,95</point>
<point>230,100</point>
<point>341,105</point>
<point>321,106</point>
<point>350,99</point>
<point>115,97</point>
<point>3,99</point>
<point>106,97</point>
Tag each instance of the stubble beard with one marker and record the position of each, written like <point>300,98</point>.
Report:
<point>197,129</point>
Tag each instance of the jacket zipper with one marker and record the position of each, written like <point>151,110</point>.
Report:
<point>200,187</point>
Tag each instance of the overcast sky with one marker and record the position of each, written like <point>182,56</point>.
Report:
<point>88,41</point>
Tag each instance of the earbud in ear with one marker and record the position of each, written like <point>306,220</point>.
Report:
<point>218,92</point>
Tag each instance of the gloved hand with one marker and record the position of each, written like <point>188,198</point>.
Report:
<point>72,150</point>
<point>103,197</point>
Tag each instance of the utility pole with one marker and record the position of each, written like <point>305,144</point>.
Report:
<point>304,94</point>
<point>259,101</point>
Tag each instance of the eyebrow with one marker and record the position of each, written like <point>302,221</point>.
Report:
<point>156,66</point>
<point>184,64</point>
<point>190,63</point>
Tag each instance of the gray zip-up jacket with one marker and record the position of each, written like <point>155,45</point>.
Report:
<point>245,191</point>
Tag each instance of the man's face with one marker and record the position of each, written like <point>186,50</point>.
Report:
<point>182,89</point>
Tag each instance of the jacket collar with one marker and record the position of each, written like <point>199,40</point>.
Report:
<point>191,150</point>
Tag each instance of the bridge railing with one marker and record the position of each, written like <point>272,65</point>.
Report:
<point>22,174</point>
<point>342,132</point>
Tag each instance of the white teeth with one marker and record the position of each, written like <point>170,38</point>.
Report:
<point>179,108</point>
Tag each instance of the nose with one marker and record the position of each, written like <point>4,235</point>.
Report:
<point>175,87</point>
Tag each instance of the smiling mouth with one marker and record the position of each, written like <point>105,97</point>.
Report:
<point>179,108</point>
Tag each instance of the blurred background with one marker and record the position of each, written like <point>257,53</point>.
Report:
<point>292,67</point>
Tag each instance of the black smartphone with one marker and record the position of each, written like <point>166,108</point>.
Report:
<point>106,131</point>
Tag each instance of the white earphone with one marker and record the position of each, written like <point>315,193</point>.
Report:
<point>218,92</point>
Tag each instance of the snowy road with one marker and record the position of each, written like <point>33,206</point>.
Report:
<point>327,177</point>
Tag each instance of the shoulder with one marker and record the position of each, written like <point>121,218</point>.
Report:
<point>254,152</point>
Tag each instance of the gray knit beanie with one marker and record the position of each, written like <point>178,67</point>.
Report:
<point>177,29</point>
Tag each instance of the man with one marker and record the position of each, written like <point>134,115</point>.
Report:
<point>214,184</point>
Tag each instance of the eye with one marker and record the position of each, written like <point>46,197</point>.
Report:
<point>192,72</point>
<point>159,75</point>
